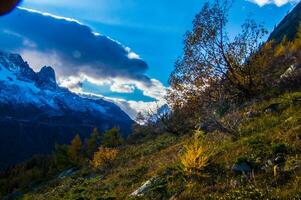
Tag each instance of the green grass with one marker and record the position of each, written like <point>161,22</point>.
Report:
<point>260,138</point>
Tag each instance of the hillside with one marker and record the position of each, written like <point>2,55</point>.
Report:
<point>288,26</point>
<point>265,138</point>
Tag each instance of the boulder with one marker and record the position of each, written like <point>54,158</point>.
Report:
<point>241,168</point>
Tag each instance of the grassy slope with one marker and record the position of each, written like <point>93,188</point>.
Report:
<point>261,137</point>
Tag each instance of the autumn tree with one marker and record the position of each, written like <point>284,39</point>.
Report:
<point>104,157</point>
<point>74,150</point>
<point>195,157</point>
<point>217,70</point>
<point>112,138</point>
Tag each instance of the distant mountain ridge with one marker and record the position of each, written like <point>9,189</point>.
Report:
<point>288,26</point>
<point>35,113</point>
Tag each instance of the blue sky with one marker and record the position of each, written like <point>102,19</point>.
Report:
<point>148,32</point>
<point>152,28</point>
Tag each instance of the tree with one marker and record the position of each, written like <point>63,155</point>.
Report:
<point>210,55</point>
<point>74,150</point>
<point>61,158</point>
<point>112,138</point>
<point>104,157</point>
<point>92,143</point>
<point>216,71</point>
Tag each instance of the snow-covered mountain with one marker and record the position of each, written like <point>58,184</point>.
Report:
<point>35,113</point>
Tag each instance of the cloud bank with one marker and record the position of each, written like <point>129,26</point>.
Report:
<point>78,54</point>
<point>278,3</point>
<point>74,44</point>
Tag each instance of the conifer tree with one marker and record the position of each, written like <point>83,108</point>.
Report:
<point>92,143</point>
<point>112,138</point>
<point>74,150</point>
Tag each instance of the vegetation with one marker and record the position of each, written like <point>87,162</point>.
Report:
<point>74,150</point>
<point>194,158</point>
<point>104,157</point>
<point>217,75</point>
<point>92,143</point>
<point>112,138</point>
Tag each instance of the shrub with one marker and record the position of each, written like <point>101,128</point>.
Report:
<point>195,157</point>
<point>279,148</point>
<point>104,157</point>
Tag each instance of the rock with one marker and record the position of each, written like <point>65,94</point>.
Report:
<point>240,168</point>
<point>289,72</point>
<point>46,78</point>
<point>251,114</point>
<point>67,173</point>
<point>269,163</point>
<point>273,108</point>
<point>279,160</point>
<point>144,188</point>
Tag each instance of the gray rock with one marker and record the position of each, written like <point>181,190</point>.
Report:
<point>252,113</point>
<point>273,108</point>
<point>289,72</point>
<point>67,173</point>
<point>144,188</point>
<point>240,168</point>
<point>279,160</point>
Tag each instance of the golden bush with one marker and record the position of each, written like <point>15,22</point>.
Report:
<point>195,157</point>
<point>104,157</point>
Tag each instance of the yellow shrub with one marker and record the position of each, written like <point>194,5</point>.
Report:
<point>104,157</point>
<point>195,157</point>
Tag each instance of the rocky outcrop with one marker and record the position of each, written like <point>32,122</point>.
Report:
<point>144,188</point>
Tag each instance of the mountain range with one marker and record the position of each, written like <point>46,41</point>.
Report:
<point>36,113</point>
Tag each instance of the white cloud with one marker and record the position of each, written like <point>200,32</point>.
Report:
<point>155,90</point>
<point>50,15</point>
<point>132,108</point>
<point>133,55</point>
<point>278,3</point>
<point>37,59</point>
<point>122,88</point>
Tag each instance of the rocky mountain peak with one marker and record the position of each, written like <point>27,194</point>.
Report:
<point>47,75</point>
<point>16,64</point>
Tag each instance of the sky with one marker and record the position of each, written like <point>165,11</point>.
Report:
<point>120,50</point>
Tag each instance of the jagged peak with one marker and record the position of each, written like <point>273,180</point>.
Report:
<point>12,61</point>
<point>46,77</point>
<point>47,73</point>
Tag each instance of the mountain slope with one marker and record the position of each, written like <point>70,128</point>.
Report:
<point>288,26</point>
<point>35,113</point>
<point>153,167</point>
